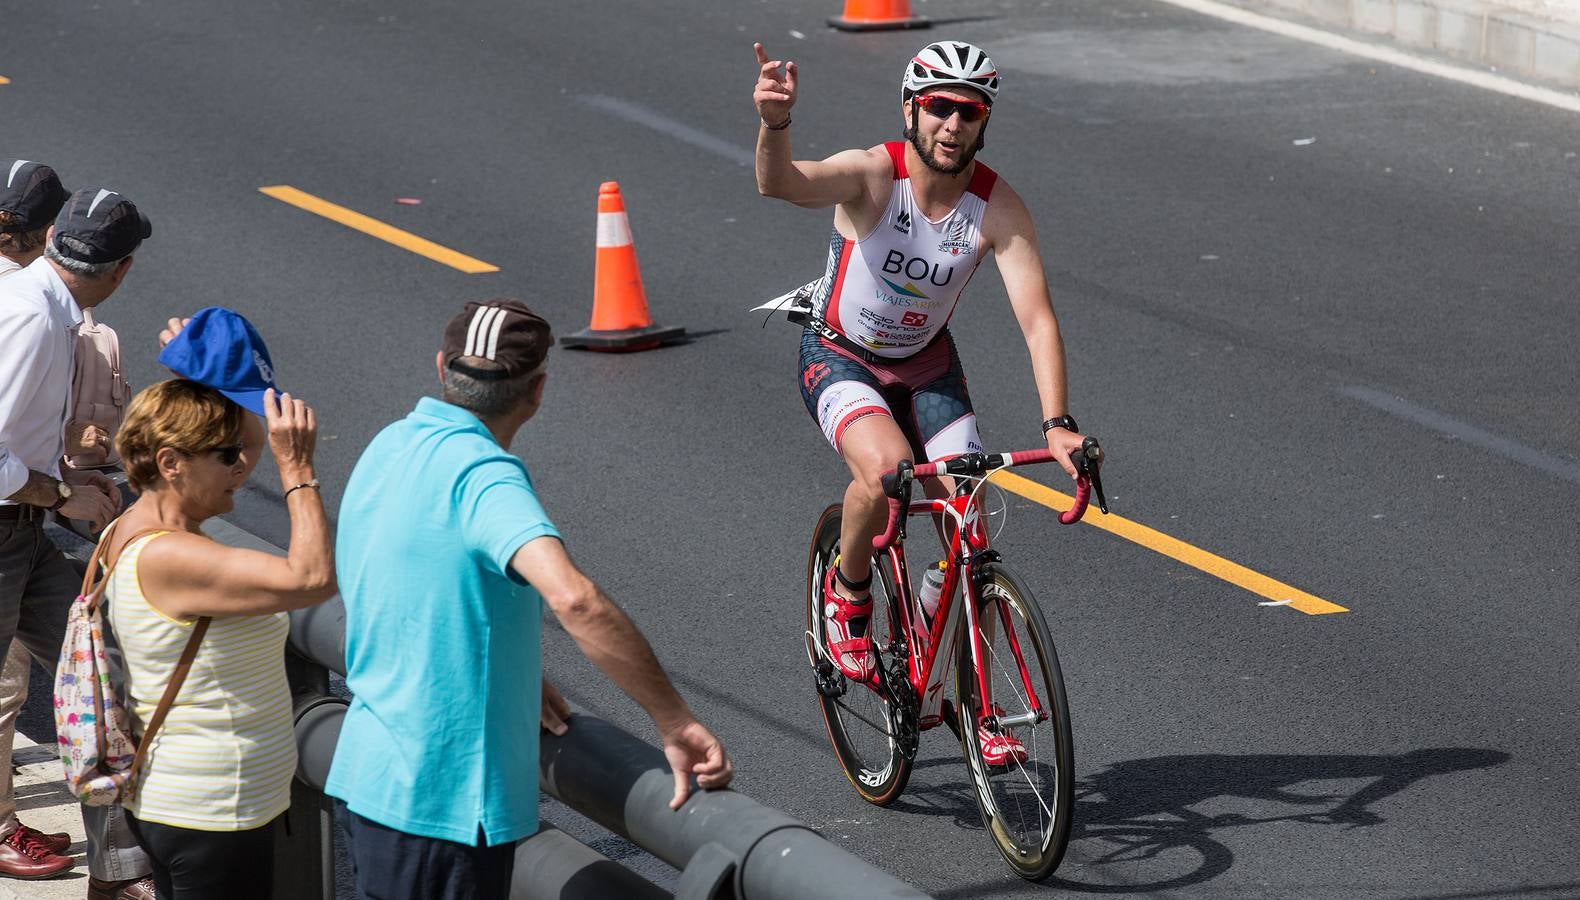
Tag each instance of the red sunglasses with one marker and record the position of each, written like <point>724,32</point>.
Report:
<point>941,107</point>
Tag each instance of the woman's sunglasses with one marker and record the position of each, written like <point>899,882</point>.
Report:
<point>940,107</point>
<point>227,455</point>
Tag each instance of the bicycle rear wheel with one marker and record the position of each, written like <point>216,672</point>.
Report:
<point>874,739</point>
<point>1026,806</point>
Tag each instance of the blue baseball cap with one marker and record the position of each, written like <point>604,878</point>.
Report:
<point>221,349</point>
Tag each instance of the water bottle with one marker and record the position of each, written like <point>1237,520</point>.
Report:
<point>932,588</point>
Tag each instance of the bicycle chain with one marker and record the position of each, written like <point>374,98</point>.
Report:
<point>903,704</point>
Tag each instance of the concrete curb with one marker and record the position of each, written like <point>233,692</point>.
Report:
<point>1511,40</point>
<point>44,803</point>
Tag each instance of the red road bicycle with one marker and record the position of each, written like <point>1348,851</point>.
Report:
<point>997,643</point>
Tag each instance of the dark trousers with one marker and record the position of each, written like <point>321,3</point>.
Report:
<point>394,865</point>
<point>37,586</point>
<point>208,865</point>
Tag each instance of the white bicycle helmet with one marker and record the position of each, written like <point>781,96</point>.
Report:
<point>950,62</point>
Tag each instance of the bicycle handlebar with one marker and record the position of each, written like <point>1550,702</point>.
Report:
<point>897,484</point>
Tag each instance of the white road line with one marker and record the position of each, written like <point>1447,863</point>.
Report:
<point>659,122</point>
<point>1470,434</point>
<point>1472,77</point>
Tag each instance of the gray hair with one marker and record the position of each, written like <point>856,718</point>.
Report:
<point>76,266</point>
<point>486,398</point>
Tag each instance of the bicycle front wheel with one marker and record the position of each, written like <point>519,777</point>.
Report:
<point>869,733</point>
<point>1026,803</point>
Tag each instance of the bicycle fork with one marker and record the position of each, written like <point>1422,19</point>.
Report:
<point>979,656</point>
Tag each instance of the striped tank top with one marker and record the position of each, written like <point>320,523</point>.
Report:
<point>224,757</point>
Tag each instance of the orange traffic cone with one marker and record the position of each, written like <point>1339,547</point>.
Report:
<point>620,321</point>
<point>878,15</point>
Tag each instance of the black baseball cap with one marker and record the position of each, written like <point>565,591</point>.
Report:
<point>496,339</point>
<point>100,226</point>
<point>32,192</point>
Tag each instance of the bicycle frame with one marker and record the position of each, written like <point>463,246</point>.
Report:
<point>928,660</point>
<point>969,548</point>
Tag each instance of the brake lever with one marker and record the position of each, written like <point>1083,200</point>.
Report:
<point>1092,468</point>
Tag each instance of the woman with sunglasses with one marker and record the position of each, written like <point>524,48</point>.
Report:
<point>878,368</point>
<point>217,775</point>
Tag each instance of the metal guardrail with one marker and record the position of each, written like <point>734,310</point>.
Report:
<point>726,844</point>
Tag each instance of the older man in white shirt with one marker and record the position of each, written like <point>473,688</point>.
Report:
<point>87,254</point>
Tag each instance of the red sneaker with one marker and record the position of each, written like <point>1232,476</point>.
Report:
<point>1000,749</point>
<point>852,653</point>
<point>23,856</point>
<point>57,841</point>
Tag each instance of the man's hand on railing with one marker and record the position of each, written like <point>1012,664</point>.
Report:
<point>693,750</point>
<point>555,710</point>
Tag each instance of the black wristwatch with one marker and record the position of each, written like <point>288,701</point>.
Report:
<point>1065,422</point>
<point>62,494</point>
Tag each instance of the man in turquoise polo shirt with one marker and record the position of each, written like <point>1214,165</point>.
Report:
<point>443,554</point>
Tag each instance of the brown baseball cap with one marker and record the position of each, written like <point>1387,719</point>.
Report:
<point>495,339</point>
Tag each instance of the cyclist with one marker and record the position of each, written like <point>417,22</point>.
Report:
<point>912,220</point>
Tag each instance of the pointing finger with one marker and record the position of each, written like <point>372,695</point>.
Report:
<point>762,55</point>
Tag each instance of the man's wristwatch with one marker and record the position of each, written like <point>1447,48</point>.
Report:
<point>62,494</point>
<point>1065,422</point>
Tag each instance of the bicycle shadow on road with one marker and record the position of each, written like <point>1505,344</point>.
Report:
<point>1154,824</point>
<point>1136,827</point>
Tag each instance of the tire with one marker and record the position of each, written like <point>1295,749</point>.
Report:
<point>863,726</point>
<point>1026,807</point>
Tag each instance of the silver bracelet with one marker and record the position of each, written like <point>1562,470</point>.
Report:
<point>305,484</point>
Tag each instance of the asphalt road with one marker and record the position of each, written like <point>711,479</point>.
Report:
<point>1347,363</point>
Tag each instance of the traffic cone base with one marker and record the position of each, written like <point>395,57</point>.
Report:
<point>625,340</point>
<point>620,321</point>
<point>878,15</point>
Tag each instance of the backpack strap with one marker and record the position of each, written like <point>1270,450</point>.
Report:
<point>188,653</point>
<point>183,666</point>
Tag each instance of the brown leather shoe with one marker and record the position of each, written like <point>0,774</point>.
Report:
<point>24,856</point>
<point>57,841</point>
<point>135,889</point>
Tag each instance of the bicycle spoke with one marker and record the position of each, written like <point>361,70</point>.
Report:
<point>1007,685</point>
<point>1036,793</point>
<point>883,730</point>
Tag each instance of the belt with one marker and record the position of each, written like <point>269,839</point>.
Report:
<point>819,326</point>
<point>22,512</point>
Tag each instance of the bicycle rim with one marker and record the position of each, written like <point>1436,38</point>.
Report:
<point>861,725</point>
<point>1026,806</point>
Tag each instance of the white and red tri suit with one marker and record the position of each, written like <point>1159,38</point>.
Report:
<point>892,291</point>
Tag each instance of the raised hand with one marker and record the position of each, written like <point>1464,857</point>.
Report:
<point>171,329</point>
<point>293,433</point>
<point>775,93</point>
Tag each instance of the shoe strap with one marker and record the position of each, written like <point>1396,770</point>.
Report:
<point>862,585</point>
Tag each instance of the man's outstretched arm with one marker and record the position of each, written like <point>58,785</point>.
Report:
<point>611,641</point>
